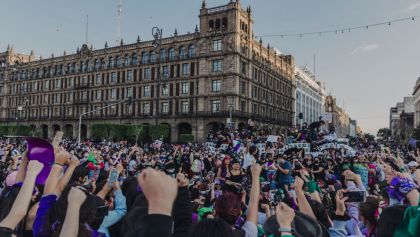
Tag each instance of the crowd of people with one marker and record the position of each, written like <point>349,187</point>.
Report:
<point>235,184</point>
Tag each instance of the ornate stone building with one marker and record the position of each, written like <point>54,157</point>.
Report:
<point>203,76</point>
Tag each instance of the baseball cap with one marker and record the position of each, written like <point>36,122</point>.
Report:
<point>413,164</point>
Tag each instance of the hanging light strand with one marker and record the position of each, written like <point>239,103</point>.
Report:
<point>342,30</point>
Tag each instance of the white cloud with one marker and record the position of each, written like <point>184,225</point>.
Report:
<point>364,49</point>
<point>413,6</point>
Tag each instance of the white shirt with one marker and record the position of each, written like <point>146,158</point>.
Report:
<point>248,160</point>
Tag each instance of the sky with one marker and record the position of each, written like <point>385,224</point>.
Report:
<point>368,71</point>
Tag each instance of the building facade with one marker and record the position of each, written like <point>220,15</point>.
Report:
<point>416,98</point>
<point>310,95</point>
<point>340,119</point>
<point>192,84</point>
<point>402,119</point>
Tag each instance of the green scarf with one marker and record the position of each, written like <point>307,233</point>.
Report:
<point>91,158</point>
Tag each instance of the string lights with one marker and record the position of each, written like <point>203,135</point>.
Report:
<point>342,30</point>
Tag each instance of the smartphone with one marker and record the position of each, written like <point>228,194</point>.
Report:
<point>355,196</point>
<point>113,176</point>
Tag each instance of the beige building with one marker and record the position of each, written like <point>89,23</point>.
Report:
<point>416,98</point>
<point>203,76</point>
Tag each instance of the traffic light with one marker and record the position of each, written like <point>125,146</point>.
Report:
<point>130,100</point>
<point>300,115</point>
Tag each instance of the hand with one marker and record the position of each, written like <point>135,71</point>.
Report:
<point>62,157</point>
<point>350,175</point>
<point>116,185</point>
<point>76,196</point>
<point>284,215</point>
<point>182,180</point>
<point>34,167</point>
<point>265,207</point>
<point>340,202</point>
<point>160,191</point>
<point>298,184</point>
<point>256,170</point>
<point>74,161</point>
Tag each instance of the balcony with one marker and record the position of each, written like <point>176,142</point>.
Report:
<point>81,86</point>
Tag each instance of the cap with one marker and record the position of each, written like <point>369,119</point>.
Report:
<point>413,164</point>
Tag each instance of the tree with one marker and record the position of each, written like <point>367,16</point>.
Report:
<point>369,137</point>
<point>385,133</point>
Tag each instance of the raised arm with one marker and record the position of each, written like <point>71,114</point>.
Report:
<point>254,195</point>
<point>303,203</point>
<point>51,185</point>
<point>75,200</point>
<point>74,162</point>
<point>21,204</point>
<point>22,168</point>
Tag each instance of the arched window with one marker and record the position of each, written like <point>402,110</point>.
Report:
<point>153,57</point>
<point>191,51</point>
<point>144,57</point>
<point>117,61</point>
<point>211,25</point>
<point>97,64</point>
<point>217,26</point>
<point>126,60</point>
<point>181,52</point>
<point>135,59</point>
<point>110,62</point>
<point>163,55</point>
<point>224,23</point>
<point>171,54</point>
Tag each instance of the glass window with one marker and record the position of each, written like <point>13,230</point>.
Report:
<point>185,107</point>
<point>147,73</point>
<point>165,90</point>
<point>113,93</point>
<point>215,106</point>
<point>185,88</point>
<point>98,79</point>
<point>216,86</point>
<point>110,62</point>
<point>217,65</point>
<point>127,60</point>
<point>98,94</point>
<point>129,75</point>
<point>181,52</point>
<point>191,51</point>
<point>165,107</point>
<point>130,92</point>
<point>146,91</point>
<point>118,61</point>
<point>163,55</point>
<point>165,72</point>
<point>135,59</point>
<point>185,69</point>
<point>171,54</point>
<point>69,111</point>
<point>217,45</point>
<point>153,57</point>
<point>58,83</point>
<point>146,108</point>
<point>144,57</point>
<point>113,77</point>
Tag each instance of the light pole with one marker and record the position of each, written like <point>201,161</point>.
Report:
<point>129,101</point>
<point>230,116</point>
<point>157,44</point>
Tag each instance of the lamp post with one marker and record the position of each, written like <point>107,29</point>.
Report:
<point>157,44</point>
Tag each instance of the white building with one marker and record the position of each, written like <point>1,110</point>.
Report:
<point>310,96</point>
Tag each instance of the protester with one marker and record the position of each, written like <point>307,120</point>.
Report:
<point>239,183</point>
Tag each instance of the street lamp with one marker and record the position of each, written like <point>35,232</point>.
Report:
<point>129,101</point>
<point>157,44</point>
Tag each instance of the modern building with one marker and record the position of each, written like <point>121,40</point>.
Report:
<point>310,96</point>
<point>353,128</point>
<point>340,119</point>
<point>416,95</point>
<point>192,82</point>
<point>402,119</point>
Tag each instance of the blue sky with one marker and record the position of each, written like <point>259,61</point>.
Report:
<point>367,70</point>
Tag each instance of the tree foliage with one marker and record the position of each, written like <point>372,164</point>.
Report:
<point>385,133</point>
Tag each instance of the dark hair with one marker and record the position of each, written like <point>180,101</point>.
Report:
<point>80,172</point>
<point>367,209</point>
<point>7,199</point>
<point>390,219</point>
<point>211,228</point>
<point>228,207</point>
<point>320,212</point>
<point>252,149</point>
<point>57,214</point>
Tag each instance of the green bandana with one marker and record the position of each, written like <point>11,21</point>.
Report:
<point>410,226</point>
